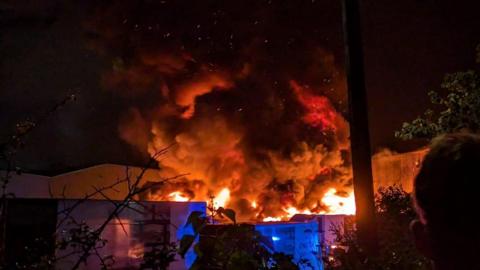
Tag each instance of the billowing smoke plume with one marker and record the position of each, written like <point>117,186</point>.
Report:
<point>243,92</point>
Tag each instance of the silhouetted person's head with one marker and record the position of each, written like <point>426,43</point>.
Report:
<point>447,199</point>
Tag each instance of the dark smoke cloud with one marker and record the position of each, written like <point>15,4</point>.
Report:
<point>246,90</point>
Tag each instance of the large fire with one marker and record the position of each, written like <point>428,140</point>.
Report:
<point>254,116</point>
<point>276,187</point>
<point>335,204</point>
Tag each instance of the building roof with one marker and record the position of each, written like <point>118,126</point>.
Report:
<point>76,184</point>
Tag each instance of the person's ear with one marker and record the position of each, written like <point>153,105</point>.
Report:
<point>421,237</point>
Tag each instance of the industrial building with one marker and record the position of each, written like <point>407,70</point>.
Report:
<point>387,168</point>
<point>306,238</point>
<point>396,169</point>
<point>41,198</point>
<point>127,236</point>
<point>38,210</point>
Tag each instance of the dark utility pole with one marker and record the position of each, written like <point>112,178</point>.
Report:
<point>359,133</point>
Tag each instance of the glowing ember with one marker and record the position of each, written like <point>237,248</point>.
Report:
<point>222,198</point>
<point>136,252</point>
<point>339,204</point>
<point>177,197</point>
<point>291,211</point>
<point>272,219</point>
<point>254,205</point>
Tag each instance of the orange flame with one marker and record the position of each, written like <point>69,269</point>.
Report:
<point>291,211</point>
<point>222,198</point>
<point>272,219</point>
<point>335,204</point>
<point>177,196</point>
<point>339,205</point>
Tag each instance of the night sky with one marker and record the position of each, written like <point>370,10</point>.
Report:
<point>46,54</point>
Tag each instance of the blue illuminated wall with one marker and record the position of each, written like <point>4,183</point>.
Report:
<point>304,237</point>
<point>300,240</point>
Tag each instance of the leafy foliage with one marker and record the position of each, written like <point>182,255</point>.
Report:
<point>159,257</point>
<point>229,213</point>
<point>230,246</point>
<point>185,243</point>
<point>458,109</point>
<point>281,261</point>
<point>397,251</point>
<point>36,256</point>
<point>41,253</point>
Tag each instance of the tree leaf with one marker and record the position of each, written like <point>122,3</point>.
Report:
<point>197,250</point>
<point>185,244</point>
<point>195,219</point>
<point>230,214</point>
<point>199,224</point>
